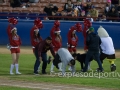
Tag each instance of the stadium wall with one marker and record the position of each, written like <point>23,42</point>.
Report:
<point>24,27</point>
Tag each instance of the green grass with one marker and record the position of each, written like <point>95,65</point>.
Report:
<point>27,61</point>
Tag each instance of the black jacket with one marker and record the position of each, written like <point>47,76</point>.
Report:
<point>50,10</point>
<point>93,42</point>
<point>113,14</point>
<point>15,3</point>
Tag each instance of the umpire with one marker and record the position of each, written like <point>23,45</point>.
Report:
<point>93,42</point>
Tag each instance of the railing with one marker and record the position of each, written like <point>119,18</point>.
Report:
<point>44,16</point>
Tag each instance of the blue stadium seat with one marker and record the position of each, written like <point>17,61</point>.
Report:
<point>41,16</point>
<point>4,15</point>
<point>32,16</point>
<point>15,15</point>
<point>23,16</point>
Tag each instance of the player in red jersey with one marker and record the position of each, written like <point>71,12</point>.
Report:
<point>15,43</point>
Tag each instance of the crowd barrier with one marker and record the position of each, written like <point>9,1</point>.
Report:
<point>24,27</point>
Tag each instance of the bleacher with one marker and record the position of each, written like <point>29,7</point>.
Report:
<point>36,9</point>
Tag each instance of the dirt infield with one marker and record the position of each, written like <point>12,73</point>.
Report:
<point>28,50</point>
<point>45,86</point>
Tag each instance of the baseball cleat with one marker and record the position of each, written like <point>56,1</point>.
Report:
<point>113,67</point>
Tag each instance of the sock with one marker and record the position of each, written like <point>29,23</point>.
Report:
<point>69,68</point>
<point>11,68</point>
<point>52,67</point>
<point>17,67</point>
<point>89,66</point>
<point>39,68</point>
<point>111,61</point>
<point>60,66</point>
